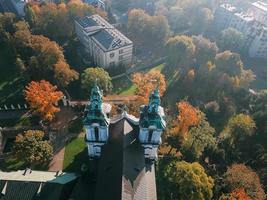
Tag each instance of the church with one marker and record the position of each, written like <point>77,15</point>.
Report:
<point>122,150</point>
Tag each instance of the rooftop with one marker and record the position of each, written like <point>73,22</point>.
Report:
<point>261,5</point>
<point>228,7</point>
<point>105,35</point>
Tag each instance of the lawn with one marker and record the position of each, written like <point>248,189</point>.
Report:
<point>11,164</point>
<point>11,81</point>
<point>75,155</point>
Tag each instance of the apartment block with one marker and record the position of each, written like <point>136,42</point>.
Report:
<point>252,23</point>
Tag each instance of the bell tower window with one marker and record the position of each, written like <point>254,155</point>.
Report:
<point>150,133</point>
<point>96,133</point>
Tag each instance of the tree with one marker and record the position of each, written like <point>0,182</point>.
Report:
<point>229,63</point>
<point>230,39</point>
<point>205,51</point>
<point>240,176</point>
<point>180,51</point>
<point>42,97</point>
<point>56,21</point>
<point>237,194</point>
<point>32,149</point>
<point>98,75</point>
<point>147,82</point>
<point>188,181</point>
<point>199,138</point>
<point>188,116</point>
<point>146,29</point>
<point>202,20</point>
<point>238,129</point>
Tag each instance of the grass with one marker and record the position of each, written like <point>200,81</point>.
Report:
<point>11,164</point>
<point>75,155</point>
<point>11,81</point>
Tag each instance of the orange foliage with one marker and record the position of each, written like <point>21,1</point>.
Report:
<point>239,194</point>
<point>147,82</point>
<point>188,116</point>
<point>42,97</point>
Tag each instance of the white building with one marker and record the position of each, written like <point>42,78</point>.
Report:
<point>104,43</point>
<point>259,10</point>
<point>251,23</point>
<point>19,6</point>
<point>97,4</point>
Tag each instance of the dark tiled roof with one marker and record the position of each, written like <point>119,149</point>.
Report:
<point>86,22</point>
<point>123,172</point>
<point>104,38</point>
<point>19,190</point>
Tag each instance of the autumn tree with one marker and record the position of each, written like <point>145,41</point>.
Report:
<point>240,176</point>
<point>98,75</point>
<point>146,82</point>
<point>32,149</point>
<point>187,181</point>
<point>237,194</point>
<point>199,138</point>
<point>56,21</point>
<point>42,97</point>
<point>180,51</point>
<point>187,117</point>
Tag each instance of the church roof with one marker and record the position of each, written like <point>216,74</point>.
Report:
<point>123,172</point>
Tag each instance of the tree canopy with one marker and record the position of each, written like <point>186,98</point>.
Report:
<point>98,75</point>
<point>42,97</point>
<point>240,176</point>
<point>188,181</point>
<point>32,149</point>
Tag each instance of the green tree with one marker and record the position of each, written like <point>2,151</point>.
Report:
<point>202,20</point>
<point>188,181</point>
<point>92,75</point>
<point>240,176</point>
<point>205,50</point>
<point>30,15</point>
<point>230,39</point>
<point>199,138</point>
<point>146,29</point>
<point>238,128</point>
<point>32,149</point>
<point>180,51</point>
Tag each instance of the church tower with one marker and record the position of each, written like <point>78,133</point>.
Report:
<point>96,123</point>
<point>151,124</point>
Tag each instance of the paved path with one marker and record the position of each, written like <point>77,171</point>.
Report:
<point>57,162</point>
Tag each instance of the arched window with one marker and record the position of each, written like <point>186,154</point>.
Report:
<point>96,133</point>
<point>150,133</point>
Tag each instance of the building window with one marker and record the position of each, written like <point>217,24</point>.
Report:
<point>120,57</point>
<point>111,55</point>
<point>96,133</point>
<point>121,51</point>
<point>150,133</point>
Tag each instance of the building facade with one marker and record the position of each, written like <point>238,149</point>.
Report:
<point>103,42</point>
<point>125,148</point>
<point>252,24</point>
